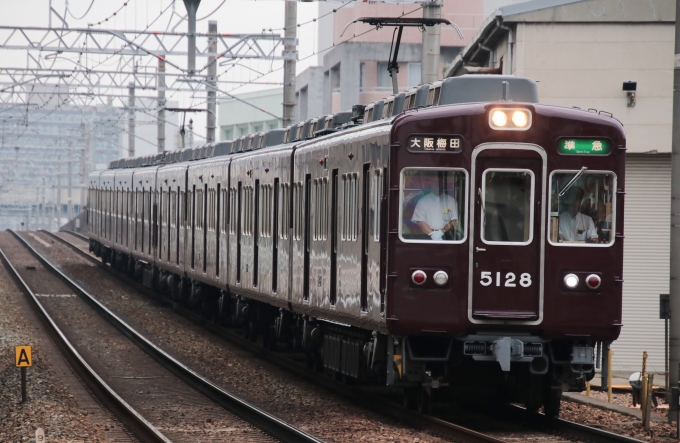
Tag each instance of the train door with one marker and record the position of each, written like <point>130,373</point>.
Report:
<point>507,233</point>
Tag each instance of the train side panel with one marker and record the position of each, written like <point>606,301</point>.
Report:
<point>172,184</point>
<point>123,184</point>
<point>145,215</point>
<point>334,227</point>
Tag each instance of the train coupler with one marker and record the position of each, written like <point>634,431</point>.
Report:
<point>503,350</point>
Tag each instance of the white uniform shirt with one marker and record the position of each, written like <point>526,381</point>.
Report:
<point>570,227</point>
<point>435,210</point>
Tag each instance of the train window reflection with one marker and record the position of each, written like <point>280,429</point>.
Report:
<point>582,213</point>
<point>507,208</point>
<point>433,205</point>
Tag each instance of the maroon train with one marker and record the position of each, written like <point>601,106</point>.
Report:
<point>475,242</point>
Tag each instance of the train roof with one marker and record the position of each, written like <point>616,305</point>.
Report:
<point>469,88</point>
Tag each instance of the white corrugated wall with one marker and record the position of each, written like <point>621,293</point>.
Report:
<point>645,261</point>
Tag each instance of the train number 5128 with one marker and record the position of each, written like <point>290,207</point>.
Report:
<point>510,279</point>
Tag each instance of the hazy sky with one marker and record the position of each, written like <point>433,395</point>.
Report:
<point>233,16</point>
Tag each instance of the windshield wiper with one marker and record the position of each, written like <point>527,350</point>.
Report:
<point>572,181</point>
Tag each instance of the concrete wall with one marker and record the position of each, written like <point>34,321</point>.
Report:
<point>236,118</point>
<point>585,65</point>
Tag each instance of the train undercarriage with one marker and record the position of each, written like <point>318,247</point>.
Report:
<point>512,367</point>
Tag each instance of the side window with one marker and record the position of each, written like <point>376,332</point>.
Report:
<point>173,208</point>
<point>433,203</point>
<point>322,205</point>
<point>232,211</point>
<point>199,209</point>
<point>350,207</point>
<point>265,212</point>
<point>582,208</point>
<point>377,200</point>
<point>298,214</point>
<point>248,211</point>
<point>223,207</point>
<point>284,206</point>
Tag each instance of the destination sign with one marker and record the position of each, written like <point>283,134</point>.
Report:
<point>442,143</point>
<point>583,146</point>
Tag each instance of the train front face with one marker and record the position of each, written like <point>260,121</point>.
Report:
<point>506,246</point>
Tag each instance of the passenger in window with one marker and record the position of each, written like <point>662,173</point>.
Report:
<point>436,212</point>
<point>575,226</point>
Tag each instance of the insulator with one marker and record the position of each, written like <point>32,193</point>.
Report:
<point>475,348</point>
<point>533,349</point>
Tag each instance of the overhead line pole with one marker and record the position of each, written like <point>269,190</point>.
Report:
<point>212,82</point>
<point>289,64</point>
<point>192,7</point>
<point>429,67</point>
<point>161,105</point>
<point>131,120</point>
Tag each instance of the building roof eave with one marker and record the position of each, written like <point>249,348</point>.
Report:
<point>561,11</point>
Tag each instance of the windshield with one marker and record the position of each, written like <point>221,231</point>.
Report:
<point>433,205</point>
<point>584,214</point>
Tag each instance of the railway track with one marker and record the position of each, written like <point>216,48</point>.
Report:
<point>136,380</point>
<point>537,422</point>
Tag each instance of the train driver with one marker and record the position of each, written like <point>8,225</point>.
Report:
<point>575,226</point>
<point>436,213</point>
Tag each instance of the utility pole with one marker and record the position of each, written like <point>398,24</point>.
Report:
<point>131,119</point>
<point>69,193</point>
<point>192,7</point>
<point>41,223</point>
<point>212,82</point>
<point>429,68</point>
<point>289,48</point>
<point>59,208</point>
<point>84,162</point>
<point>161,104</point>
<point>674,329</point>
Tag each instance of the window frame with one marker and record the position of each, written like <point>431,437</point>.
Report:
<point>531,206</point>
<point>614,213</point>
<point>464,205</point>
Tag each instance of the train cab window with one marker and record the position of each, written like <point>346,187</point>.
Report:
<point>507,206</point>
<point>433,203</point>
<point>582,208</point>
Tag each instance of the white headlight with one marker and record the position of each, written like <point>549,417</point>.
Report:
<point>571,281</point>
<point>510,119</point>
<point>441,278</point>
<point>499,118</point>
<point>520,119</point>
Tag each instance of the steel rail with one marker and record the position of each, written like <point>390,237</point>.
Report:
<point>73,233</point>
<point>257,417</point>
<point>131,419</point>
<point>569,428</point>
<point>440,427</point>
<point>556,425</point>
<point>538,421</point>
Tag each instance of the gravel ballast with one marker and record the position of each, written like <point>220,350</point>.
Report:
<point>57,401</point>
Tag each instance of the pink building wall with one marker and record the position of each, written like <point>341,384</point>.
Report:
<point>467,14</point>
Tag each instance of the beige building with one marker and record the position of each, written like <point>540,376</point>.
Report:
<point>580,53</point>
<point>355,69</point>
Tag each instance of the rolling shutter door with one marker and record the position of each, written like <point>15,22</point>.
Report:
<point>645,262</point>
